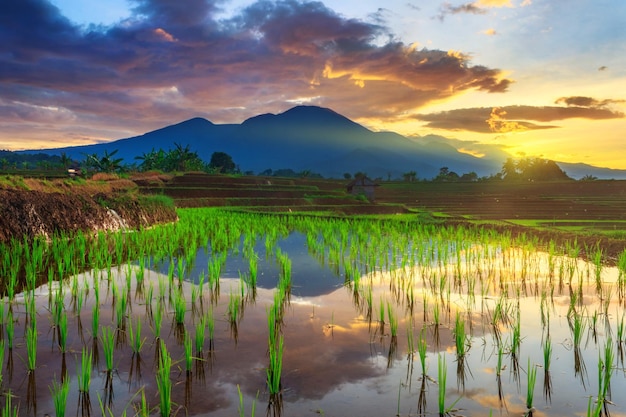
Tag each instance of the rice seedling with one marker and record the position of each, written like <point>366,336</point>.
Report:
<point>422,347</point>
<point>63,333</point>
<point>234,308</point>
<point>84,371</point>
<point>164,383</point>
<point>10,329</point>
<point>393,321</point>
<point>531,380</point>
<point>605,371</point>
<point>31,346</point>
<point>108,346</point>
<point>200,335</point>
<point>95,320</point>
<point>188,353</point>
<point>180,308</point>
<point>1,360</point>
<point>141,409</point>
<point>577,326</point>
<point>134,335</point>
<point>60,392</point>
<point>157,321</point>
<point>105,410</point>
<point>547,354</point>
<point>274,369</point>
<point>241,409</point>
<point>9,410</point>
<point>442,374</point>
<point>210,325</point>
<point>460,337</point>
<point>499,362</point>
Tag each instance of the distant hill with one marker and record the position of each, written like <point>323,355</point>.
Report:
<point>579,170</point>
<point>302,138</point>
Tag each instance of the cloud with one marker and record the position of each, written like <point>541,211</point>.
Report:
<point>477,7</point>
<point>516,118</point>
<point>468,8</point>
<point>489,32</point>
<point>494,3</point>
<point>173,60</point>
<point>588,102</point>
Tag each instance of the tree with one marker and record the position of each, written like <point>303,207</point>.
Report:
<point>347,175</point>
<point>153,160</point>
<point>409,176</point>
<point>222,162</point>
<point>469,177</point>
<point>66,161</point>
<point>509,169</point>
<point>104,164</point>
<point>532,169</point>
<point>183,159</point>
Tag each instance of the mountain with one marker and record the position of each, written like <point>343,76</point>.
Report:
<point>579,170</point>
<point>302,138</point>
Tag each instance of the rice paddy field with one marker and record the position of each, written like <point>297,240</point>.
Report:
<point>239,314</point>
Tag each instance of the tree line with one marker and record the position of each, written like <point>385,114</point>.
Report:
<point>182,159</point>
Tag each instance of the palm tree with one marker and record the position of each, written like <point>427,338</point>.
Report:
<point>105,164</point>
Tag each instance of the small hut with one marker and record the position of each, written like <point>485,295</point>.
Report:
<point>362,185</point>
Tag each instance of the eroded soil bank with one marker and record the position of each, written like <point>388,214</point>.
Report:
<point>38,213</point>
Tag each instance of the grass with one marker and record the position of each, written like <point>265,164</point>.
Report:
<point>188,352</point>
<point>108,346</point>
<point>60,392</point>
<point>164,383</point>
<point>241,408</point>
<point>134,335</point>
<point>63,333</point>
<point>442,375</point>
<point>531,380</point>
<point>9,409</point>
<point>84,371</point>
<point>460,337</point>
<point>31,347</point>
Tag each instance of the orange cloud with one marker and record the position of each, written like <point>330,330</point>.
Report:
<point>520,118</point>
<point>162,34</point>
<point>498,123</point>
<point>493,3</point>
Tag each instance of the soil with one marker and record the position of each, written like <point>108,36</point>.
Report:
<point>38,213</point>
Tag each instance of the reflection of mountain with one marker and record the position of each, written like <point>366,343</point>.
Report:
<point>309,277</point>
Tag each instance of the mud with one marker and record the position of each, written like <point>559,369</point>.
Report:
<point>36,213</point>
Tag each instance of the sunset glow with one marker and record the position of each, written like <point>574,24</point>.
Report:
<point>533,78</point>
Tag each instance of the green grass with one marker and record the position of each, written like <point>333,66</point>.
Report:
<point>31,347</point>
<point>108,346</point>
<point>164,383</point>
<point>9,409</point>
<point>59,392</point>
<point>134,335</point>
<point>84,371</point>
<point>531,380</point>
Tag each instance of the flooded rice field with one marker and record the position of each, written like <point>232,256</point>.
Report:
<point>231,314</point>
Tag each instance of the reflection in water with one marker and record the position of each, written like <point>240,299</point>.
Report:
<point>343,354</point>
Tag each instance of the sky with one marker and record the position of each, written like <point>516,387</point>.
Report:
<point>535,78</point>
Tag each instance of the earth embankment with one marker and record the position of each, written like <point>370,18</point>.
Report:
<point>31,213</point>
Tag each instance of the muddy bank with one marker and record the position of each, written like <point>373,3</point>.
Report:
<point>37,213</point>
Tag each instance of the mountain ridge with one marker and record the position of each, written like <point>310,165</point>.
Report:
<point>311,138</point>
